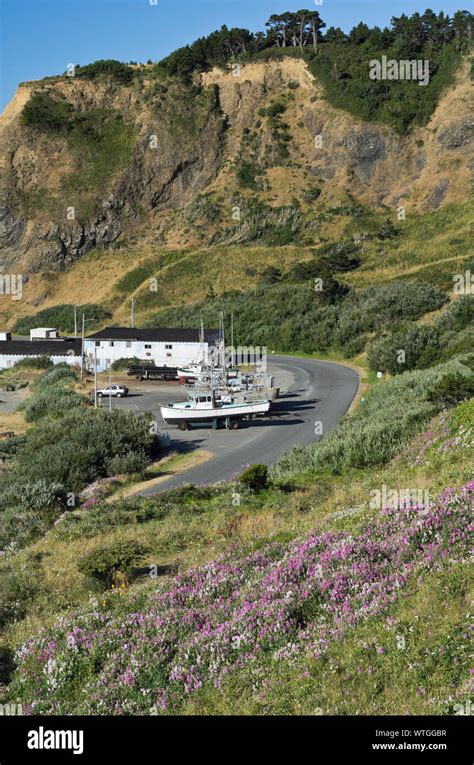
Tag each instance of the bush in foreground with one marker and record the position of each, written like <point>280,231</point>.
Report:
<point>102,563</point>
<point>255,478</point>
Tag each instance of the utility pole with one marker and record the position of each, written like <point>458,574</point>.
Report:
<point>232,339</point>
<point>110,387</point>
<point>75,321</point>
<point>132,316</point>
<point>95,377</point>
<point>82,345</point>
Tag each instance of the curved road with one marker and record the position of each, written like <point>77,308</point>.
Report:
<point>311,391</point>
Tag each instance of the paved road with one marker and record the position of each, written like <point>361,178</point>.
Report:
<point>311,391</point>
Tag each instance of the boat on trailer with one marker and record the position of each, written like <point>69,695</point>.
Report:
<point>204,408</point>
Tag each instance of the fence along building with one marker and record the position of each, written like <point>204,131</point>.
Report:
<point>163,347</point>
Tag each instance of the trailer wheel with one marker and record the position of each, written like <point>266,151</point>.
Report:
<point>235,424</point>
<point>183,426</point>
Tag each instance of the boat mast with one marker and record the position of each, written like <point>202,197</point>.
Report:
<point>202,353</point>
<point>232,339</point>
<point>222,339</point>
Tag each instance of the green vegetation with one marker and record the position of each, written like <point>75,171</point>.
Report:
<point>133,279</point>
<point>62,317</point>
<point>52,396</point>
<point>101,143</point>
<point>46,113</point>
<point>36,362</point>
<point>417,347</point>
<point>122,364</point>
<point>290,317</point>
<point>103,563</point>
<point>105,67</point>
<point>266,551</point>
<point>258,222</point>
<point>55,400</point>
<point>388,418</point>
<point>69,447</point>
<point>344,71</point>
<point>341,61</point>
<point>255,478</point>
<point>247,174</point>
<point>453,388</point>
<point>269,527</point>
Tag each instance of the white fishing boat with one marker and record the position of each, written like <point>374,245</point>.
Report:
<point>203,408</point>
<point>191,372</point>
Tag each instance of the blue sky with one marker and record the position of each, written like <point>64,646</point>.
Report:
<point>41,37</point>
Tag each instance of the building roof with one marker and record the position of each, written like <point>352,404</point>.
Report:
<point>65,346</point>
<point>157,335</point>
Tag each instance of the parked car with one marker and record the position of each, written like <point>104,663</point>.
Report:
<point>112,390</point>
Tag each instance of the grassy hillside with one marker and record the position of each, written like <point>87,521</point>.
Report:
<point>283,597</point>
<point>158,277</point>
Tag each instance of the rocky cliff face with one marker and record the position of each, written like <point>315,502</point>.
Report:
<point>65,193</point>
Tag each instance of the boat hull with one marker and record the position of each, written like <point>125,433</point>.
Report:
<point>174,415</point>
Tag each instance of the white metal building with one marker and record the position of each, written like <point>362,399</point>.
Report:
<point>163,347</point>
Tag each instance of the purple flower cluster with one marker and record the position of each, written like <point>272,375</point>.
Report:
<point>270,604</point>
<point>97,491</point>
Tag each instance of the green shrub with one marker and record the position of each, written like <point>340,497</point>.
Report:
<point>133,279</point>
<point>59,373</point>
<point>131,462</point>
<point>106,67</point>
<point>9,447</point>
<point>36,362</point>
<point>292,316</point>
<point>459,315</point>
<point>28,507</point>
<point>17,588</point>
<point>452,389</point>
<point>312,195</point>
<point>354,347</point>
<point>255,478</point>
<point>402,351</point>
<point>463,415</point>
<point>104,561</point>
<point>121,364</point>
<point>396,102</point>
<point>247,176</point>
<point>75,449</point>
<point>275,109</point>
<point>50,402</point>
<point>46,113</point>
<point>62,317</point>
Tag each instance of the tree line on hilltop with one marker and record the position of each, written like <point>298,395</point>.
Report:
<point>303,30</point>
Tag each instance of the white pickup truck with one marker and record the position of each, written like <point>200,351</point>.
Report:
<point>112,390</point>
